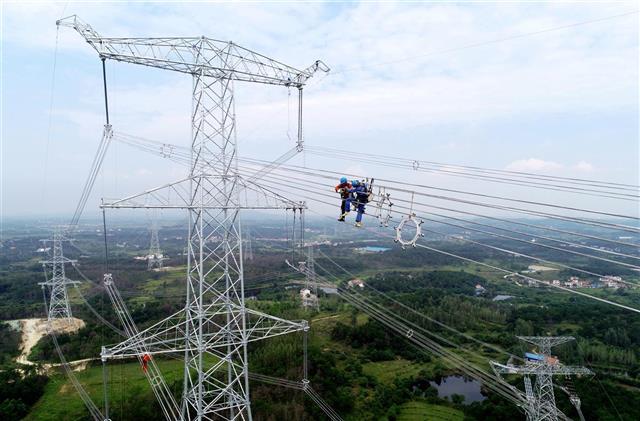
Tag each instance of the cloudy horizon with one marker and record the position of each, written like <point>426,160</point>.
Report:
<point>550,89</point>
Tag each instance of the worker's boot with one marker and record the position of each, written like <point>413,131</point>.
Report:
<point>358,224</point>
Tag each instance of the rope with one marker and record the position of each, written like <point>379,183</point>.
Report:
<point>414,311</point>
<point>307,171</point>
<point>403,327</point>
<point>546,228</point>
<point>180,155</point>
<point>86,399</point>
<point>539,281</point>
<point>91,308</point>
<point>482,43</point>
<point>536,176</point>
<point>410,209</point>
<point>520,240</point>
<point>517,210</point>
<point>50,122</point>
<point>501,180</point>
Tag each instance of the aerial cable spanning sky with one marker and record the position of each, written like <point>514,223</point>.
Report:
<point>547,89</point>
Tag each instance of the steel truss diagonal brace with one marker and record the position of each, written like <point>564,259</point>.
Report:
<point>213,329</point>
<point>168,404</point>
<point>59,307</point>
<point>167,336</point>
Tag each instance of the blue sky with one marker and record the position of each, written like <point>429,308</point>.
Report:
<point>563,102</point>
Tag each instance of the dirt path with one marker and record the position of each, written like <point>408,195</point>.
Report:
<point>34,329</point>
<point>324,318</point>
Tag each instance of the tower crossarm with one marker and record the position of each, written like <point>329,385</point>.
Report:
<point>195,55</point>
<point>60,259</point>
<point>534,369</point>
<point>176,195</point>
<point>545,343</point>
<point>164,337</point>
<point>65,281</point>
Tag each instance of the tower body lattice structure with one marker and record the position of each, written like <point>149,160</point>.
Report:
<point>155,257</point>
<point>57,284</point>
<point>214,328</point>
<point>540,397</point>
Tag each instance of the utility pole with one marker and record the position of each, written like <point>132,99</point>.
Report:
<point>59,307</point>
<point>540,398</point>
<point>214,328</point>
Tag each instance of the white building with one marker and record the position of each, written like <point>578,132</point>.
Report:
<point>308,299</point>
<point>356,283</point>
<point>611,281</point>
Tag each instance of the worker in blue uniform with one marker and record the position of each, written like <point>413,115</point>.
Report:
<point>361,192</point>
<point>345,195</point>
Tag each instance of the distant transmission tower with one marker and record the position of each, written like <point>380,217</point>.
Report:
<point>155,256</point>
<point>541,402</point>
<point>59,307</point>
<point>249,252</point>
<point>309,293</point>
<point>214,328</point>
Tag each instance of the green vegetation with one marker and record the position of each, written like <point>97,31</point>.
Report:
<point>417,411</point>
<point>360,367</point>
<point>9,343</point>
<point>387,371</point>
<point>19,390</point>
<point>130,395</point>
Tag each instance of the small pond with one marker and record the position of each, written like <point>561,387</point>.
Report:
<point>458,385</point>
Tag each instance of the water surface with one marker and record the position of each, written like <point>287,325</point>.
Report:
<point>458,385</point>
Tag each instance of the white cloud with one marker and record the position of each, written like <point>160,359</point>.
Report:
<point>392,75</point>
<point>583,166</point>
<point>540,165</point>
<point>533,164</point>
<point>380,90</point>
<point>143,172</point>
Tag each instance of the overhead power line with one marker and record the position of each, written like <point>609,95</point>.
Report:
<point>416,167</point>
<point>532,279</point>
<point>308,171</point>
<point>417,205</point>
<point>325,174</point>
<point>416,164</point>
<point>483,43</point>
<point>184,160</point>
<point>511,252</point>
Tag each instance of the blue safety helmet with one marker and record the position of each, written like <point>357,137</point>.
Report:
<point>343,180</point>
<point>355,183</point>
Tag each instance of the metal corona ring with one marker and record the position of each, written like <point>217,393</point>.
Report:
<point>411,242</point>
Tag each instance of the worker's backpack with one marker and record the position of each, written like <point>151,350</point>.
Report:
<point>369,189</point>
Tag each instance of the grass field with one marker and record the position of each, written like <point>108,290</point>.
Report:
<point>387,371</point>
<point>61,401</point>
<point>420,411</point>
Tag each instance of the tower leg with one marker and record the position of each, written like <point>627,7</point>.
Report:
<point>545,398</point>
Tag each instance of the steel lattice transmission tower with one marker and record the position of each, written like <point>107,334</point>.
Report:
<point>540,398</point>
<point>214,328</point>
<point>249,252</point>
<point>59,307</point>
<point>309,294</point>
<point>155,258</point>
